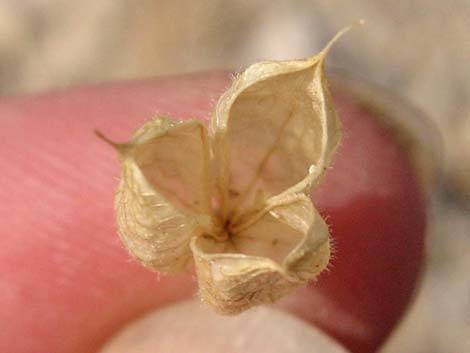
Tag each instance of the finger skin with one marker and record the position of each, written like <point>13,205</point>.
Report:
<point>377,218</point>
<point>66,283</point>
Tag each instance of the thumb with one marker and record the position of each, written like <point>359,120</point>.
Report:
<point>190,327</point>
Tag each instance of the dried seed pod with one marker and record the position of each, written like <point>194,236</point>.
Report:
<point>162,197</point>
<point>235,200</point>
<point>263,261</point>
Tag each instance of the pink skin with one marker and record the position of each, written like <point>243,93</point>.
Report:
<point>67,284</point>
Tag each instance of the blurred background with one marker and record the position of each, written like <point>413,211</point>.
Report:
<point>417,49</point>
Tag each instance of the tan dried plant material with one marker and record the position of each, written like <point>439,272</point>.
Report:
<point>233,200</point>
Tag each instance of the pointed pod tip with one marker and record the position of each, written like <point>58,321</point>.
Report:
<point>340,33</point>
<point>120,147</point>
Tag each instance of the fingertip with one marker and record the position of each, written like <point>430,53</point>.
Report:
<point>376,211</point>
<point>192,327</point>
<point>63,229</point>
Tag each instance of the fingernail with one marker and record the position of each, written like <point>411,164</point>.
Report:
<point>413,130</point>
<point>190,327</point>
